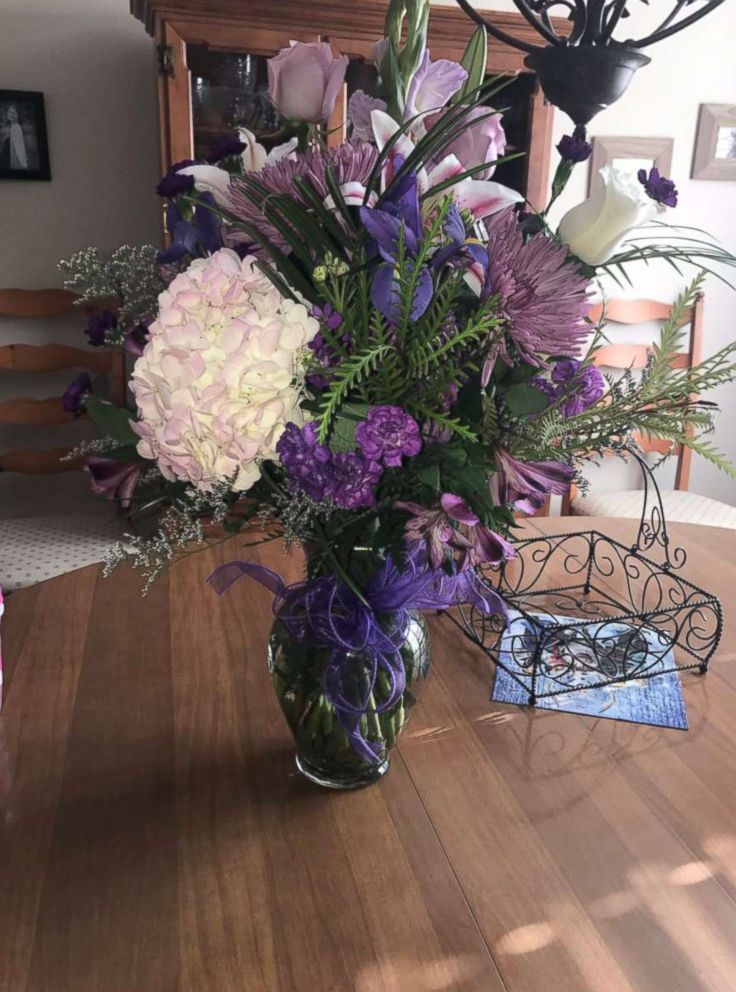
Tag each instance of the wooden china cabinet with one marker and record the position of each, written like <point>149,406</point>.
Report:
<point>213,78</point>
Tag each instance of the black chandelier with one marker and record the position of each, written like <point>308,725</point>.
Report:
<point>586,69</point>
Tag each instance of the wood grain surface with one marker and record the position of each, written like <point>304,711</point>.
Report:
<point>155,836</point>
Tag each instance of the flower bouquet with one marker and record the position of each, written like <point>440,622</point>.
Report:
<point>380,354</point>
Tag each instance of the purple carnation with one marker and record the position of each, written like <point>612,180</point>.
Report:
<point>173,183</point>
<point>98,325</point>
<point>581,386</point>
<point>225,146</point>
<point>353,480</point>
<point>76,393</point>
<point>306,462</point>
<point>387,435</point>
<point>574,149</point>
<point>658,187</point>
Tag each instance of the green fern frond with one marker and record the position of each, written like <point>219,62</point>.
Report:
<point>347,377</point>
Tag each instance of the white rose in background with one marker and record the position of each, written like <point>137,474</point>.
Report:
<point>219,377</point>
<point>595,228</point>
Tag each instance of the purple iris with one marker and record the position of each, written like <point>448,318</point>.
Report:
<point>75,396</point>
<point>225,146</point>
<point>136,340</point>
<point>199,237</point>
<point>574,149</point>
<point>387,435</point>
<point>398,216</point>
<point>658,187</point>
<point>461,252</point>
<point>580,385</point>
<point>98,325</point>
<point>173,183</point>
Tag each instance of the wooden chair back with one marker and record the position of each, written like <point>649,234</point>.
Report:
<point>23,303</point>
<point>635,356</point>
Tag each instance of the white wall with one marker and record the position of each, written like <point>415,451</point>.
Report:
<point>95,64</point>
<point>696,66</point>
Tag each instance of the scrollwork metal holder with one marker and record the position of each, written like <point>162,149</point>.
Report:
<point>621,613</point>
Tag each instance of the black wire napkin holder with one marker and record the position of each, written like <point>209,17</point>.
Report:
<point>622,616</point>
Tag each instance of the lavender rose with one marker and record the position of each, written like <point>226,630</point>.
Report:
<point>304,80</point>
<point>387,435</point>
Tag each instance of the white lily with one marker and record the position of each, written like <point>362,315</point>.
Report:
<point>210,179</point>
<point>254,156</point>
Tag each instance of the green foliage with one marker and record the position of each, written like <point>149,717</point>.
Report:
<point>113,421</point>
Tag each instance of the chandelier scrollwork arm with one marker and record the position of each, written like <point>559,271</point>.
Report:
<point>667,28</point>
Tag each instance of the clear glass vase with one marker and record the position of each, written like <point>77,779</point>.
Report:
<point>324,753</point>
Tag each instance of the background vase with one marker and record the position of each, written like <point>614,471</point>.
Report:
<point>324,753</point>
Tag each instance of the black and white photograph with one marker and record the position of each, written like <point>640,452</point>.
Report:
<point>24,152</point>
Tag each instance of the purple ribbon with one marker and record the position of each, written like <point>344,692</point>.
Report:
<point>326,613</point>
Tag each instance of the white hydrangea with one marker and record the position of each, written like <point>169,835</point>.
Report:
<point>220,375</point>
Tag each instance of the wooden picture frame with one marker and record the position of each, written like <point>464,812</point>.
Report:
<point>714,155</point>
<point>24,149</point>
<point>638,152</point>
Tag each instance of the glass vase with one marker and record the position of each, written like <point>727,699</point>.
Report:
<point>324,752</point>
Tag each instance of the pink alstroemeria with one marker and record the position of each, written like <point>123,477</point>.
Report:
<point>452,530</point>
<point>525,485</point>
<point>480,197</point>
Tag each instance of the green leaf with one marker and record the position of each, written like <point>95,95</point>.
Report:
<point>128,453</point>
<point>474,62</point>
<point>342,437</point>
<point>430,476</point>
<point>113,421</point>
<point>520,374</point>
<point>523,400</point>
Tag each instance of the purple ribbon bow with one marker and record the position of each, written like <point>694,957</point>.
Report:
<point>326,613</point>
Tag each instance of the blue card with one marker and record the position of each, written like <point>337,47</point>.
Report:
<point>656,700</point>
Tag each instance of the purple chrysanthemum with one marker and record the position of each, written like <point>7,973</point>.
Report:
<point>580,385</point>
<point>387,435</point>
<point>543,296</point>
<point>351,162</point>
<point>98,325</point>
<point>306,462</point>
<point>658,187</point>
<point>574,149</point>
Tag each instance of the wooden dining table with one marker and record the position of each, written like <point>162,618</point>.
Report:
<point>155,835</point>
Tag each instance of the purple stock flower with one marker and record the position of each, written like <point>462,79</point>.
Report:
<point>525,485</point>
<point>323,350</point>
<point>453,531</point>
<point>173,183</point>
<point>353,479</point>
<point>580,386</point>
<point>98,325</point>
<point>113,479</point>
<point>387,435</point>
<point>136,340</point>
<point>75,396</point>
<point>574,149</point>
<point>226,145</point>
<point>658,187</point>
<point>543,296</point>
<point>306,461</point>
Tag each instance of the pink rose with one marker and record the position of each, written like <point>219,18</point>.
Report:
<point>484,141</point>
<point>304,80</point>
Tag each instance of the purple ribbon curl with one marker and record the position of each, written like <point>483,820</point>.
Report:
<point>327,614</point>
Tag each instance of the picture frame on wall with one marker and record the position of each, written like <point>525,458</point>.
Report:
<point>714,155</point>
<point>24,149</point>
<point>630,154</point>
